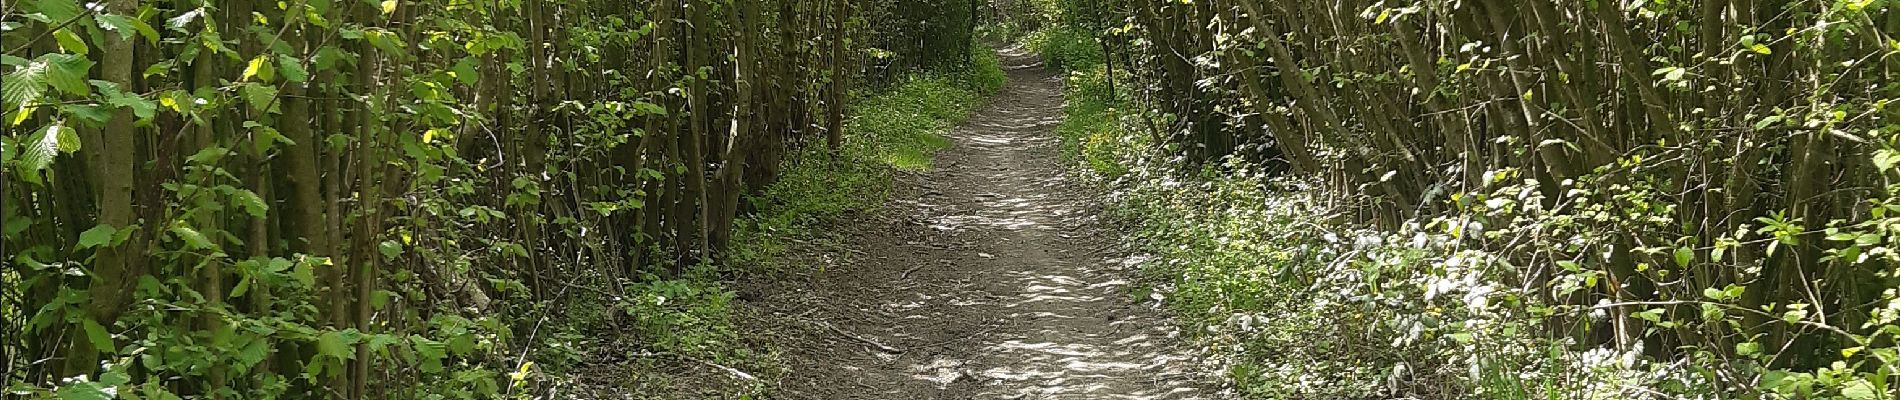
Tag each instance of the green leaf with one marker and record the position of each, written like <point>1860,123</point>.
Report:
<point>24,85</point>
<point>254,352</point>
<point>326,57</point>
<point>68,72</point>
<point>292,68</point>
<point>39,153</point>
<point>305,273</point>
<point>1860,389</point>
<point>431,352</point>
<point>127,26</point>
<point>90,114</point>
<point>1762,49</point>
<point>462,344</point>
<point>264,137</point>
<point>390,249</point>
<point>261,97</point>
<point>252,68</point>
<point>465,71</point>
<point>250,202</point>
<point>1711,312</point>
<point>1747,348</point>
<point>99,235</point>
<point>179,22</point>
<point>1885,159</point>
<point>1651,315</point>
<point>142,108</point>
<point>336,345</point>
<point>645,108</point>
<point>71,42</point>
<point>83,391</point>
<point>101,339</point>
<point>192,238</point>
<point>56,11</point>
<point>1684,256</point>
<point>66,137</point>
<point>1767,122</point>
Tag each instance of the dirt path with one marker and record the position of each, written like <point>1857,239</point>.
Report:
<point>991,278</point>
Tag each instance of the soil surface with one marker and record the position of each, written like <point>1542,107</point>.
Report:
<point>989,277</point>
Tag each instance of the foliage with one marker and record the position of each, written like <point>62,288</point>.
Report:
<point>393,199</point>
<point>1544,209</point>
<point>1063,47</point>
<point>889,131</point>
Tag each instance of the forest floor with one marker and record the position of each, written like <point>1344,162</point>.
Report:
<point>990,276</point>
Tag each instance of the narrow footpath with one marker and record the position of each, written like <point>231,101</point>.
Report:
<point>991,277</point>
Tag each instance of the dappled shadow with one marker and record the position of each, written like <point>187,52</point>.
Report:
<point>994,279</point>
<point>1075,330</point>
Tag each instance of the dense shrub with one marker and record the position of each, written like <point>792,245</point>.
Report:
<point>893,130</point>
<point>1501,281</point>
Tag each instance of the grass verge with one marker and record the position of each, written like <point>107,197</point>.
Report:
<point>888,131</point>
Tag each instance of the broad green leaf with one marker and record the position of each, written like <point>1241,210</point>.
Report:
<point>462,344</point>
<point>1860,389</point>
<point>6,150</point>
<point>1759,48</point>
<point>645,108</point>
<point>99,235</point>
<point>254,352</point>
<point>430,352</point>
<point>142,108</point>
<point>71,42</point>
<point>389,7</point>
<point>67,138</point>
<point>336,345</point>
<point>292,68</point>
<point>68,72</point>
<point>465,71</point>
<point>39,152</point>
<point>24,85</point>
<point>180,22</point>
<point>326,58</point>
<point>252,68</point>
<point>262,98</point>
<point>1764,123</point>
<point>250,202</point>
<point>1885,159</point>
<point>390,249</point>
<point>430,135</point>
<point>83,391</point>
<point>191,237</point>
<point>127,26</point>
<point>1684,256</point>
<point>101,339</point>
<point>56,11</point>
<point>305,273</point>
<point>1651,315</point>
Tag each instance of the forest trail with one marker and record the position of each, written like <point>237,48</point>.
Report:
<point>991,277</point>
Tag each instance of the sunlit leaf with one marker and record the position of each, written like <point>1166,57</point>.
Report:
<point>99,235</point>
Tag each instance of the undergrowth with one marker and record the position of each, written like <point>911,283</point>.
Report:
<point>891,130</point>
<point>1289,298</point>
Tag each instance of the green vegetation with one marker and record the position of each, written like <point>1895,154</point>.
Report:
<point>893,130</point>
<point>1504,200</point>
<point>410,199</point>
